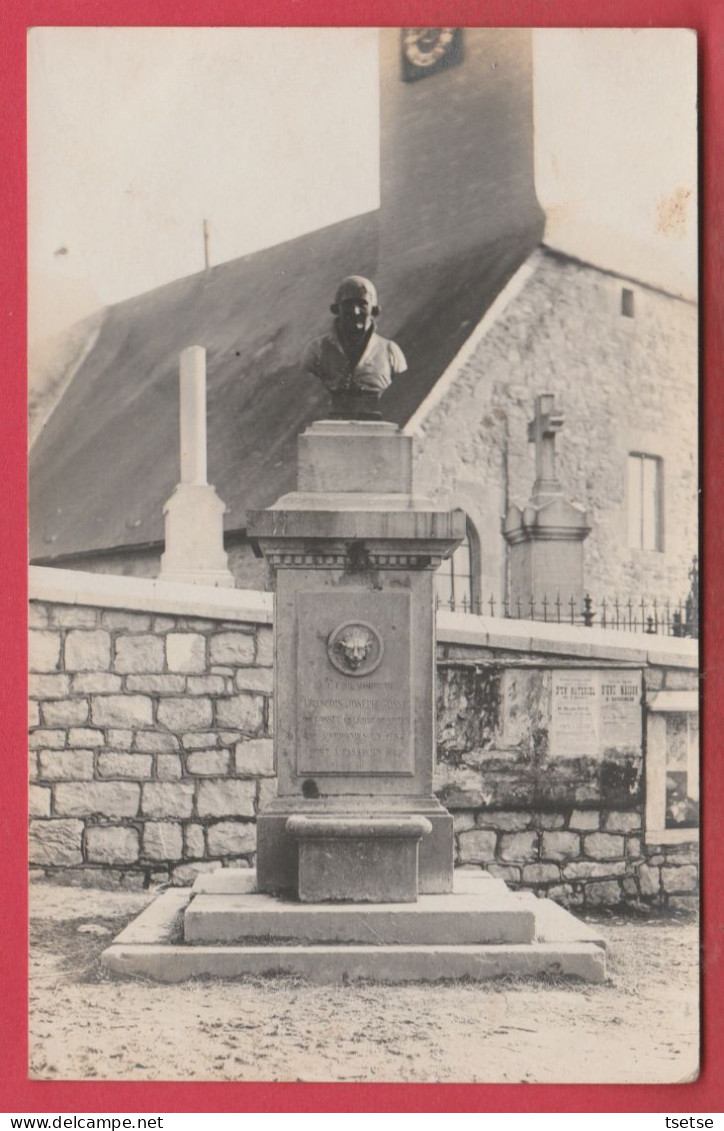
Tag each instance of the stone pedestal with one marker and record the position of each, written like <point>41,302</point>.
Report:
<point>194,529</point>
<point>355,552</point>
<point>545,542</point>
<point>358,860</point>
<point>332,452</point>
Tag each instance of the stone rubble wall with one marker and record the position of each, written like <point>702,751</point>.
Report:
<point>151,753</point>
<point>150,742</point>
<point>579,857</point>
<point>568,828</point>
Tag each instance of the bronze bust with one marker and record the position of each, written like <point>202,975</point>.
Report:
<point>353,361</point>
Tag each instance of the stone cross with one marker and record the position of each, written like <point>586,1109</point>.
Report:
<point>542,430</point>
<point>192,396</point>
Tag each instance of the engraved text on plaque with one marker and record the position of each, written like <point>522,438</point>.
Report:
<point>354,705</point>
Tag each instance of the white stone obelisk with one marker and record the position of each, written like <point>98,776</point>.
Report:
<point>194,514</point>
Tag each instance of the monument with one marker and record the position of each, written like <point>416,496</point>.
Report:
<point>354,875</point>
<point>193,516</point>
<point>354,551</point>
<point>546,536</point>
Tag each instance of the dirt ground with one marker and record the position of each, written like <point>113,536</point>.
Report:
<point>641,1026</point>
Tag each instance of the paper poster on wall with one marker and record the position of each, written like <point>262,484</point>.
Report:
<point>620,710</point>
<point>575,715</point>
<point>594,711</point>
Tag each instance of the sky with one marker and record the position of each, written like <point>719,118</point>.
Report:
<point>616,149</point>
<point>138,135</point>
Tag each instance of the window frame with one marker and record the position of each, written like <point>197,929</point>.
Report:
<point>628,302</point>
<point>644,458</point>
<point>471,538</point>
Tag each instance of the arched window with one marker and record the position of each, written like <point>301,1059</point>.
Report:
<point>456,581</point>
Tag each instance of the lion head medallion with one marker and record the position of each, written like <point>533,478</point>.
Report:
<point>355,648</point>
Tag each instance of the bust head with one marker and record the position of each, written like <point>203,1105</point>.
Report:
<point>354,362</point>
<point>355,307</point>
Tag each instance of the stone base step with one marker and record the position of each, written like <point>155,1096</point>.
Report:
<point>325,965</point>
<point>151,946</point>
<point>459,919</point>
<point>242,881</point>
<point>553,922</point>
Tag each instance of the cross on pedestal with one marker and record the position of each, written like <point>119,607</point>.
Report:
<point>545,537</point>
<point>542,430</point>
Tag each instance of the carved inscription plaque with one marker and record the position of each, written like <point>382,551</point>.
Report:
<point>595,711</point>
<point>354,699</point>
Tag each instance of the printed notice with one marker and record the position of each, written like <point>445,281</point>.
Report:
<point>620,710</point>
<point>595,711</point>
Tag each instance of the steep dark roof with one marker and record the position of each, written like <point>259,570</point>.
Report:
<point>107,459</point>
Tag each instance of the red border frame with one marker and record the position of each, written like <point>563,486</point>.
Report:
<point>19,1094</point>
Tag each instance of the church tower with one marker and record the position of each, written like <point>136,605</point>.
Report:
<point>456,161</point>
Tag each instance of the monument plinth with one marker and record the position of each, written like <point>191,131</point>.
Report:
<point>355,550</point>
<point>354,877</point>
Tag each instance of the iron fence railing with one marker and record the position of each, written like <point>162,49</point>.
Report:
<point>653,615</point>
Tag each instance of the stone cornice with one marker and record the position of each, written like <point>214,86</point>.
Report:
<point>141,594</point>
<point>74,587</point>
<point>566,640</point>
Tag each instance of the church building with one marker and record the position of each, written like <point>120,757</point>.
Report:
<point>535,257</point>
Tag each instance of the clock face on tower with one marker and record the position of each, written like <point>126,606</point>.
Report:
<point>427,50</point>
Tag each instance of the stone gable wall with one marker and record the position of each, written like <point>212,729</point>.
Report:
<point>151,751</point>
<point>624,385</point>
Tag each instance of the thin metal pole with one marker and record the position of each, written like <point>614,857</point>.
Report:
<point>207,261</point>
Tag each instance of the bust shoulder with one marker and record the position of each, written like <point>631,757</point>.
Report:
<point>398,361</point>
<point>315,349</point>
